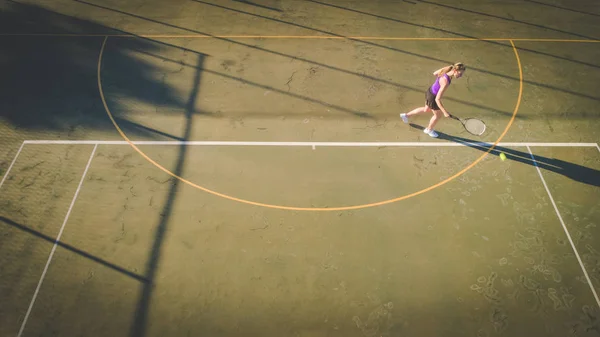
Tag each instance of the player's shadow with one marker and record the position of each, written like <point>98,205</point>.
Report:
<point>573,171</point>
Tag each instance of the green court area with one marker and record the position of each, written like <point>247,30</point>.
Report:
<point>239,168</point>
<point>483,255</point>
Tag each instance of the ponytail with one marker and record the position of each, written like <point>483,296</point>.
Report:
<point>441,72</point>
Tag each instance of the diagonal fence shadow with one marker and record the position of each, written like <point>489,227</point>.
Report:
<point>441,30</point>
<point>131,127</point>
<point>326,66</point>
<point>72,249</point>
<point>543,85</point>
<point>376,79</point>
<point>562,8</point>
<point>49,83</point>
<point>508,19</point>
<point>258,5</point>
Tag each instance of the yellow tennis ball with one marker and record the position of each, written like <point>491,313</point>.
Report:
<point>502,156</point>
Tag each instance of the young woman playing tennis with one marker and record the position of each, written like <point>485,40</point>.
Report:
<point>433,96</point>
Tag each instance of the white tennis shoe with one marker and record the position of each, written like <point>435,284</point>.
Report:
<point>404,118</point>
<point>431,133</point>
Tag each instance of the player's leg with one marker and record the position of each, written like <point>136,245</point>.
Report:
<point>416,111</point>
<point>437,115</point>
<point>429,104</point>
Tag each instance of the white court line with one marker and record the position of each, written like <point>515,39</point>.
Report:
<point>12,164</point>
<point>37,289</point>
<point>598,147</point>
<point>565,228</point>
<point>320,144</point>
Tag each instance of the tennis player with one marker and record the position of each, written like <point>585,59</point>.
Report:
<point>434,94</point>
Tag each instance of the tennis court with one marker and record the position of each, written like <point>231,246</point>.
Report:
<point>239,168</point>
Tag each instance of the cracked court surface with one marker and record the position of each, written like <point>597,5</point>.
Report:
<point>506,248</point>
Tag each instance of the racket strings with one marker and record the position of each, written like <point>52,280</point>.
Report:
<point>475,126</point>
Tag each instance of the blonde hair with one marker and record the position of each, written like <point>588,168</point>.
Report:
<point>456,66</point>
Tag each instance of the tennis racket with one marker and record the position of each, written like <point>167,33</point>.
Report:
<point>473,125</point>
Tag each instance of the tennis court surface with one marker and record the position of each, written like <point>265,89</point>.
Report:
<point>239,168</point>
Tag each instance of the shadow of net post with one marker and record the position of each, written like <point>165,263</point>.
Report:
<point>140,323</point>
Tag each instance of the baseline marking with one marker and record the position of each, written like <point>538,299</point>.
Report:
<point>294,208</point>
<point>294,144</point>
<point>39,285</point>
<point>12,164</point>
<point>598,147</point>
<point>589,281</point>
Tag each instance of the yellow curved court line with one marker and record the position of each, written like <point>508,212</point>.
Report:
<point>292,208</point>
